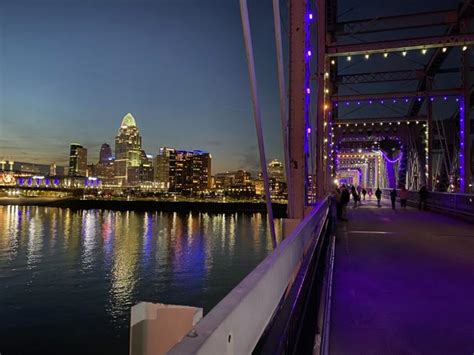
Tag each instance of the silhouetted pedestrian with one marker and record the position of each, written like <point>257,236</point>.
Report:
<point>393,197</point>
<point>378,195</point>
<point>337,196</point>
<point>355,196</point>
<point>364,192</point>
<point>403,197</point>
<point>345,197</point>
<point>423,196</point>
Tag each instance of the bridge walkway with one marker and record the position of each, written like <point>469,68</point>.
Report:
<point>403,283</point>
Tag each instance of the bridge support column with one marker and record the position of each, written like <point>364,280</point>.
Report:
<point>322,159</point>
<point>297,109</point>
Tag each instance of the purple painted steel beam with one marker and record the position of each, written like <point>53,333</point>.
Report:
<point>397,95</point>
<point>388,76</point>
<point>377,120</point>
<point>390,23</point>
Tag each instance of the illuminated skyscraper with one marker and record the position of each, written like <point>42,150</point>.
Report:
<point>183,170</point>
<point>276,170</point>
<point>128,150</point>
<point>77,160</point>
<point>193,170</point>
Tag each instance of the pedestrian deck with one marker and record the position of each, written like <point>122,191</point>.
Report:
<point>403,283</point>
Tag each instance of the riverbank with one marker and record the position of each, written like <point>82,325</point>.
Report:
<point>279,209</point>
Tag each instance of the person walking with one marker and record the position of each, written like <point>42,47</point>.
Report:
<point>345,197</point>
<point>403,197</point>
<point>337,196</point>
<point>393,197</point>
<point>378,195</point>
<point>423,196</point>
<point>355,196</point>
<point>364,192</point>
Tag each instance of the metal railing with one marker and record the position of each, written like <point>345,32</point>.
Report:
<point>461,204</point>
<point>236,324</point>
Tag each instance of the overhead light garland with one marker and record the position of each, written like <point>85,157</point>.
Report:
<point>385,52</point>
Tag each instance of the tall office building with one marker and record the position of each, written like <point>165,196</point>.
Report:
<point>193,170</point>
<point>77,160</point>
<point>52,169</point>
<point>276,170</point>
<point>105,169</point>
<point>183,170</point>
<point>165,168</point>
<point>128,151</point>
<point>105,154</point>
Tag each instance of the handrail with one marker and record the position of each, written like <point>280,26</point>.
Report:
<point>459,204</point>
<point>236,323</point>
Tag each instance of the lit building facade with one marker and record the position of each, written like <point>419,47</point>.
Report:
<point>165,168</point>
<point>52,169</point>
<point>276,170</point>
<point>77,160</point>
<point>128,151</point>
<point>186,171</point>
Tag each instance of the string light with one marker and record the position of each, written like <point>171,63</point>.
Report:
<point>403,53</point>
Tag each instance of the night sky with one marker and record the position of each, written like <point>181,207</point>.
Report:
<point>71,69</point>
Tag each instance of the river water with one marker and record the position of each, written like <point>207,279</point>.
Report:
<point>68,278</point>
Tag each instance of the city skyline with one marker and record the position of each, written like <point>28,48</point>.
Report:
<point>96,155</point>
<point>71,68</point>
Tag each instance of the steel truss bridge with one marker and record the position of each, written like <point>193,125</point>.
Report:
<point>377,102</point>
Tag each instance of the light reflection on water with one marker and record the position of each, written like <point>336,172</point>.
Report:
<point>68,278</point>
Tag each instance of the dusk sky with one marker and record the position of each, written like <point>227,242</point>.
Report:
<point>71,69</point>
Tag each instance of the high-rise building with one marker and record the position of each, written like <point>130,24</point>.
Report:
<point>128,151</point>
<point>105,169</point>
<point>77,160</point>
<point>183,170</point>
<point>193,170</point>
<point>52,169</point>
<point>276,170</point>
<point>165,168</point>
<point>105,154</point>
